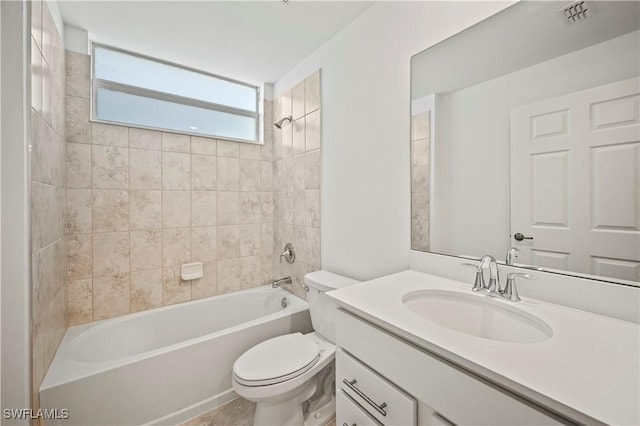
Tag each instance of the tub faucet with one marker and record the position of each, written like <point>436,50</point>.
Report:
<point>281,281</point>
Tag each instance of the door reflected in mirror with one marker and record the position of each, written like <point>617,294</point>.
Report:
<point>527,125</point>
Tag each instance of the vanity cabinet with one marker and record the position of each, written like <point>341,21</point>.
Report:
<point>415,387</point>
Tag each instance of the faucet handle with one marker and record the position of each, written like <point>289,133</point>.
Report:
<point>510,290</point>
<point>479,281</point>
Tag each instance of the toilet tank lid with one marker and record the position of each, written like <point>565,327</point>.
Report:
<point>327,281</point>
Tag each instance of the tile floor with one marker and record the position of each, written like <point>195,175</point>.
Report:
<point>238,412</point>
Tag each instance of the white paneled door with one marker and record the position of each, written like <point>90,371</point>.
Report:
<point>575,181</point>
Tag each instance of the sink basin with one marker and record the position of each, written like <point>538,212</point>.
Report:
<point>477,315</point>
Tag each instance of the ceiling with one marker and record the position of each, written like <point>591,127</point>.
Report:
<point>252,41</point>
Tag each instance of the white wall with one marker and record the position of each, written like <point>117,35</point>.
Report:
<point>365,128</point>
<point>14,284</point>
<point>471,209</point>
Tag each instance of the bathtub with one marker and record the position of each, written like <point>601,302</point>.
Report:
<point>165,365</point>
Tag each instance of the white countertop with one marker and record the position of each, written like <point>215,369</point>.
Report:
<point>588,370</point>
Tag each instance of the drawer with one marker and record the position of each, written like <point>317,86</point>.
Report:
<point>349,413</point>
<point>384,401</point>
<point>462,397</point>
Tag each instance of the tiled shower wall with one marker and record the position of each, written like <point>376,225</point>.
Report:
<point>143,202</point>
<point>296,182</point>
<point>48,195</point>
<point>420,193</point>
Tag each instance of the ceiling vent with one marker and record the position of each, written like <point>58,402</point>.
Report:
<point>578,11</point>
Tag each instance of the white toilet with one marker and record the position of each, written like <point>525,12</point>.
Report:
<point>291,377</point>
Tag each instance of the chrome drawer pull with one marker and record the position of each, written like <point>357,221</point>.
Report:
<point>352,385</point>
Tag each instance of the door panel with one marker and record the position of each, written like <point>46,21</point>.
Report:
<point>575,181</point>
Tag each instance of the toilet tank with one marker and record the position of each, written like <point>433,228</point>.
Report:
<point>321,308</point>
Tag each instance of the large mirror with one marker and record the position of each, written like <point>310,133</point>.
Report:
<point>526,133</point>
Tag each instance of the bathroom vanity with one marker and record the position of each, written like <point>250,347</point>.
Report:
<point>401,361</point>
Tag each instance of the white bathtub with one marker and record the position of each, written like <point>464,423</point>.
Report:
<point>165,365</point>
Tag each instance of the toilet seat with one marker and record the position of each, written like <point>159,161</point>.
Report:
<point>276,360</point>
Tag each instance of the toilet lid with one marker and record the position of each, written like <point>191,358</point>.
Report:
<point>276,360</point>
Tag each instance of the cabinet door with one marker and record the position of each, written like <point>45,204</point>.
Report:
<point>349,413</point>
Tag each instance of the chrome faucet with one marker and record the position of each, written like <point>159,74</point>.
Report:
<point>493,288</point>
<point>510,290</point>
<point>281,281</point>
<point>512,253</point>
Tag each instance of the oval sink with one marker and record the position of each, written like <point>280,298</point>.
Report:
<point>477,315</point>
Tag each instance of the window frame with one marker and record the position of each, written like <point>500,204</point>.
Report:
<point>97,83</point>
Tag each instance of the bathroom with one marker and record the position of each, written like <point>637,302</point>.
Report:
<point>102,218</point>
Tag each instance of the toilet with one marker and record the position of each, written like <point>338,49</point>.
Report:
<point>291,378</point>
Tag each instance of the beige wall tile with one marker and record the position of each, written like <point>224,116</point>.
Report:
<point>36,77</point>
<point>420,125</point>
<point>419,205</point>
<point>298,172</point>
<point>47,92</point>
<point>78,75</point>
<point>228,275</point>
<point>176,170</point>
<point>266,269</point>
<point>175,142</point>
<point>110,210</point>
<point>298,136</point>
<point>228,208</point>
<point>145,139</point>
<point>228,241</point>
<point>249,175</point>
<point>287,141</point>
<point>46,210</point>
<point>78,211</point>
<point>110,167</point>
<point>312,169</point>
<point>110,296</point>
<point>266,244</point>
<point>266,176</point>
<point>203,208</point>
<point>203,172</point>
<point>297,100</point>
<point>78,165</point>
<point>174,290</point>
<point>250,239</point>
<point>204,244</point>
<point>145,169</point>
<point>228,173</point>
<point>110,253</point>
<point>176,209</point>
<point>312,131</point>
<point>78,127</point>
<point>420,152</point>
<point>146,290</point>
<point>266,150</point>
<point>204,146</point>
<point>285,104</point>
<point>267,207</point>
<point>249,272</point>
<point>299,214</point>
<point>277,145</point>
<point>80,302</point>
<point>420,179</point>
<point>312,92</point>
<point>286,180</point>
<point>228,149</point>
<point>313,245</point>
<point>312,208</point>
<point>109,134</point>
<point>176,246</point>
<point>146,210</point>
<point>47,154</point>
<point>48,276</point>
<point>80,256</point>
<point>146,250</point>
<point>250,151</point>
<point>207,285</point>
<point>250,207</point>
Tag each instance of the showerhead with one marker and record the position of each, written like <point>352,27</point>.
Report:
<point>282,121</point>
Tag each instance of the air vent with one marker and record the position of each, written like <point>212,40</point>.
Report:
<point>578,11</point>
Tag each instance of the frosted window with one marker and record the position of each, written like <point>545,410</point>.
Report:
<point>148,112</point>
<point>136,90</point>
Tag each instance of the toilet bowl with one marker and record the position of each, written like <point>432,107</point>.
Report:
<point>291,377</point>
